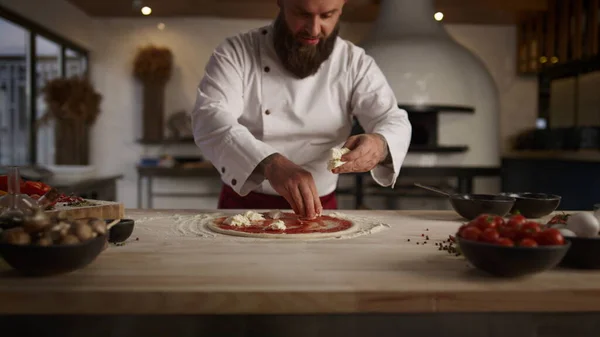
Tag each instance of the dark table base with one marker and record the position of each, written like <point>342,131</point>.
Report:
<point>417,325</point>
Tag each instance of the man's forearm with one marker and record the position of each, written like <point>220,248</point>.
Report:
<point>261,168</point>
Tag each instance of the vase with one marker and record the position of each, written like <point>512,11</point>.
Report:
<point>152,111</point>
<point>72,142</point>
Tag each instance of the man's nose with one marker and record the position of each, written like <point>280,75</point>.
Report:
<point>313,27</point>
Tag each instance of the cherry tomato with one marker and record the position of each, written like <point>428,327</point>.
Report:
<point>549,237</point>
<point>528,243</point>
<point>489,235</point>
<point>470,233</point>
<point>528,230</point>
<point>505,242</point>
<point>508,232</point>
<point>488,221</point>
<point>516,221</point>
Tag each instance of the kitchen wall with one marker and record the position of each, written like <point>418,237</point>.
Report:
<point>114,42</point>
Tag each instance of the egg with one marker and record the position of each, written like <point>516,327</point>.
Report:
<point>583,224</point>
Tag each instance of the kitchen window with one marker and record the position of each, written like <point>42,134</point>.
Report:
<point>30,55</point>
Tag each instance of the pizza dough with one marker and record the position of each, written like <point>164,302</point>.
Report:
<point>336,158</point>
<point>280,225</point>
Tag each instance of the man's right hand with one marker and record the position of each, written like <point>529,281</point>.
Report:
<point>293,183</point>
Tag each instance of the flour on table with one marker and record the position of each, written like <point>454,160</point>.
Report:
<point>336,158</point>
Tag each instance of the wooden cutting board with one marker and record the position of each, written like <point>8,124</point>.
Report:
<point>102,209</point>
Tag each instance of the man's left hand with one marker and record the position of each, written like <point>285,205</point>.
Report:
<point>366,151</point>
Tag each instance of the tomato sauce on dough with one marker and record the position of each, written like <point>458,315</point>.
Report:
<point>293,224</point>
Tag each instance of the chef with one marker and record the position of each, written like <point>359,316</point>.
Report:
<point>274,102</point>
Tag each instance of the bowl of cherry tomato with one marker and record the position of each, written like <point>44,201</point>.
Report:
<point>511,247</point>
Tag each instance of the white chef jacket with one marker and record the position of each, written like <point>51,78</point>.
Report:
<point>248,107</point>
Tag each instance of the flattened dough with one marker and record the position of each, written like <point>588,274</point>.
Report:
<point>306,236</point>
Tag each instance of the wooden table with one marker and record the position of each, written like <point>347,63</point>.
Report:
<point>380,279</point>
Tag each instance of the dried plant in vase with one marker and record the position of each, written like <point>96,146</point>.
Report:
<point>153,64</point>
<point>153,68</point>
<point>75,105</point>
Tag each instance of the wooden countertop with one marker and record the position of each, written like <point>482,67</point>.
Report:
<point>378,273</point>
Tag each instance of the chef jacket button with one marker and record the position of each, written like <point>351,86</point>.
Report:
<point>267,112</point>
<point>267,69</point>
<point>233,182</point>
<point>264,32</point>
<point>222,169</point>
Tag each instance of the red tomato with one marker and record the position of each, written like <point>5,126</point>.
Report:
<point>516,221</point>
<point>549,237</point>
<point>505,242</point>
<point>470,233</point>
<point>488,221</point>
<point>489,235</point>
<point>528,243</point>
<point>528,230</point>
<point>508,232</point>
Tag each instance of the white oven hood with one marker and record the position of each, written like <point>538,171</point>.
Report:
<point>422,62</point>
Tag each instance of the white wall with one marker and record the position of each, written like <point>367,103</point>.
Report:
<point>114,43</point>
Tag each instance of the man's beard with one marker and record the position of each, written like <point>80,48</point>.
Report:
<point>300,59</point>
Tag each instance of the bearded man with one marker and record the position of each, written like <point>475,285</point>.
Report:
<point>274,101</point>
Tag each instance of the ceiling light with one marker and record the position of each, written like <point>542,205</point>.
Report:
<point>438,16</point>
<point>146,10</point>
<point>161,26</point>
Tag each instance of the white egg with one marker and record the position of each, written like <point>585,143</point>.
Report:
<point>583,224</point>
<point>565,232</point>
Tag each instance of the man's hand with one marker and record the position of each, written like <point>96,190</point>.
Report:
<point>366,151</point>
<point>293,183</point>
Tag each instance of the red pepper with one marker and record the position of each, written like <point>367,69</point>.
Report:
<point>34,187</point>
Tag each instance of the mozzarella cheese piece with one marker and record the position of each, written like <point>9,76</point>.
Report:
<point>336,158</point>
<point>237,220</point>
<point>275,215</point>
<point>278,225</point>
<point>253,216</point>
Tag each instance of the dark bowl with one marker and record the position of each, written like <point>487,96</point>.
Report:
<point>534,205</point>
<point>470,206</point>
<point>584,253</point>
<point>121,231</point>
<point>34,260</point>
<point>505,261</point>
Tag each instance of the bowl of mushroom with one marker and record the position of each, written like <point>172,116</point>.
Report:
<point>43,245</point>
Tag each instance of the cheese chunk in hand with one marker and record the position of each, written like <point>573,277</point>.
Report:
<point>336,156</point>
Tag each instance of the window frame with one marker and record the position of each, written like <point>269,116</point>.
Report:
<point>34,29</point>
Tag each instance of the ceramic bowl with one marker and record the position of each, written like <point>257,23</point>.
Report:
<point>534,205</point>
<point>506,261</point>
<point>470,206</point>
<point>34,260</point>
<point>121,231</point>
<point>584,253</point>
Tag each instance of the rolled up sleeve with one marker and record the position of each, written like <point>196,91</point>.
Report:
<point>230,146</point>
<point>374,104</point>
